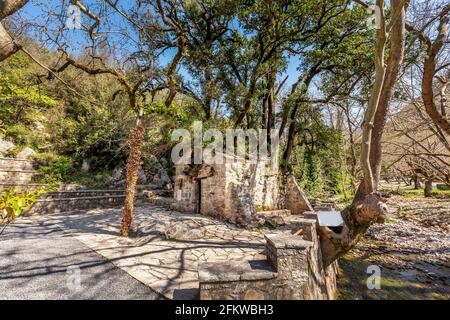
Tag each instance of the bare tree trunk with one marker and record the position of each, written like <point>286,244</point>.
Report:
<point>352,147</point>
<point>368,206</point>
<point>369,116</point>
<point>7,45</point>
<point>8,7</point>
<point>428,191</point>
<point>357,218</point>
<point>429,69</point>
<point>136,141</point>
<point>395,60</point>
<point>416,182</point>
<point>270,108</point>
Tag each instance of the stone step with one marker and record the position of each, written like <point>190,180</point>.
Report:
<point>16,176</point>
<point>35,186</point>
<point>49,206</point>
<point>157,193</point>
<point>275,213</point>
<point>274,218</point>
<point>15,164</point>
<point>82,194</point>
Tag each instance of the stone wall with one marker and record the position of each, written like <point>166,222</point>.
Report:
<point>231,191</point>
<point>185,190</point>
<point>49,206</point>
<point>295,198</point>
<point>293,271</point>
<point>16,171</point>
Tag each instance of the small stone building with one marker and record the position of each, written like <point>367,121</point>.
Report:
<point>235,190</point>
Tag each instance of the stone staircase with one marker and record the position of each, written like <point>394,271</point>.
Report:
<point>18,174</point>
<point>35,186</point>
<point>85,199</point>
<point>293,269</point>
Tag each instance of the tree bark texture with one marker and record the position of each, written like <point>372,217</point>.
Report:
<point>7,45</point>
<point>357,219</point>
<point>134,161</point>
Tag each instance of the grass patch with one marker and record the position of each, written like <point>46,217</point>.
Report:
<point>417,194</point>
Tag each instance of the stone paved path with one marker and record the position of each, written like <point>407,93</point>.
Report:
<point>38,260</point>
<point>167,266</point>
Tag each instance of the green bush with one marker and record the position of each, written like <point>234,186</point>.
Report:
<point>57,171</point>
<point>14,203</point>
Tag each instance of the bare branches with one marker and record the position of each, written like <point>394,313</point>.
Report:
<point>430,69</point>
<point>171,21</point>
<point>52,72</point>
<point>90,15</point>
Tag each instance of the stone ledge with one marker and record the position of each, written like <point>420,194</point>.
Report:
<point>80,198</point>
<point>212,272</point>
<point>17,171</point>
<point>287,241</point>
<point>310,215</point>
<point>15,159</point>
<point>299,219</point>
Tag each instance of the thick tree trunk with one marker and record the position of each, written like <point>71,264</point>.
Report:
<point>416,182</point>
<point>7,45</point>
<point>8,7</point>
<point>428,191</point>
<point>394,62</point>
<point>134,161</point>
<point>357,218</point>
<point>428,95</point>
<point>369,116</point>
<point>368,206</point>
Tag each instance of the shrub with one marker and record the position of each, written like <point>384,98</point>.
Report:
<point>13,203</point>
<point>56,171</point>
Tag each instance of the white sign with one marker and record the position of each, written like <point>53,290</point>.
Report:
<point>330,218</point>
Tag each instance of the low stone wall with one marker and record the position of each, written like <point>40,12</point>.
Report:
<point>48,206</point>
<point>293,271</point>
<point>82,193</point>
<point>35,186</point>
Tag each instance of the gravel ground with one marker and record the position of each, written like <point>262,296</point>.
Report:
<point>412,249</point>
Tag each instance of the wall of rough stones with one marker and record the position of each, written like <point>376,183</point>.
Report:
<point>295,198</point>
<point>16,171</point>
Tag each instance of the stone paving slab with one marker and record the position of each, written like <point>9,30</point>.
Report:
<point>169,267</point>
